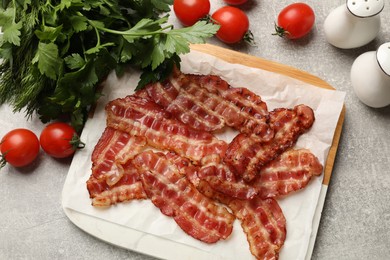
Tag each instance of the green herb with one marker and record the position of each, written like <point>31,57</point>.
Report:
<point>55,53</point>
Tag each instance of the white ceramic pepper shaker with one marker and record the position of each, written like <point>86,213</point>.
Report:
<point>353,24</point>
<point>370,77</point>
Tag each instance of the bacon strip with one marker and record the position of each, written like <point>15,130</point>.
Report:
<point>261,219</point>
<point>248,115</point>
<point>142,117</point>
<point>176,197</point>
<point>289,172</point>
<point>208,103</point>
<point>113,148</point>
<point>189,103</point>
<point>129,187</point>
<point>253,109</point>
<point>186,102</point>
<point>264,225</point>
<point>246,155</point>
<point>221,179</point>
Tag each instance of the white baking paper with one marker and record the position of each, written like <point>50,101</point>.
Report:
<point>277,91</point>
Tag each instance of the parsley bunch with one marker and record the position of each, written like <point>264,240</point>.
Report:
<point>54,53</point>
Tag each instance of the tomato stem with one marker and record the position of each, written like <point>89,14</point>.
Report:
<point>76,142</point>
<point>3,161</point>
<point>209,19</point>
<point>280,31</point>
<point>249,38</point>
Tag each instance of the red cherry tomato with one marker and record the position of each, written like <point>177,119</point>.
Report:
<point>190,11</point>
<point>235,2</point>
<point>295,21</point>
<point>60,140</point>
<point>19,147</point>
<point>234,24</point>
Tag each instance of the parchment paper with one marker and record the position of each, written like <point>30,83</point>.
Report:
<point>277,91</point>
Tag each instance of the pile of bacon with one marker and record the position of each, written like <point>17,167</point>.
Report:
<point>160,144</point>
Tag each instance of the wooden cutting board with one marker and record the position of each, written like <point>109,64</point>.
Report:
<point>256,62</point>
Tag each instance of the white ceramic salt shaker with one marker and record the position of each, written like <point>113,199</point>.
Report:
<point>353,24</point>
<point>370,77</point>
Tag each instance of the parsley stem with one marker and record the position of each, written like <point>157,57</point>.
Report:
<point>14,3</point>
<point>97,37</point>
<point>160,31</point>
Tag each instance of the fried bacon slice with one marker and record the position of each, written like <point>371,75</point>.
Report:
<point>208,103</point>
<point>169,190</point>
<point>222,179</point>
<point>187,102</point>
<point>142,117</point>
<point>264,225</point>
<point>248,115</point>
<point>113,148</point>
<point>254,110</point>
<point>261,219</point>
<point>290,172</point>
<point>246,155</point>
<point>129,187</point>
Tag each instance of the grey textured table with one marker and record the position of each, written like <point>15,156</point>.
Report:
<point>356,216</point>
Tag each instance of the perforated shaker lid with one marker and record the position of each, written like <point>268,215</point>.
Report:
<point>383,57</point>
<point>365,8</point>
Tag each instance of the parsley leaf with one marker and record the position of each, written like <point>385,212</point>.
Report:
<point>79,23</point>
<point>143,29</point>
<point>196,33</point>
<point>11,33</point>
<point>162,5</point>
<point>47,58</point>
<point>74,61</point>
<point>48,33</point>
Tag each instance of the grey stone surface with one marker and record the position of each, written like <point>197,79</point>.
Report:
<point>356,216</point>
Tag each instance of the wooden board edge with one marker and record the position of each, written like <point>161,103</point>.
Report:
<point>232,56</point>
<point>236,57</point>
<point>333,149</point>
